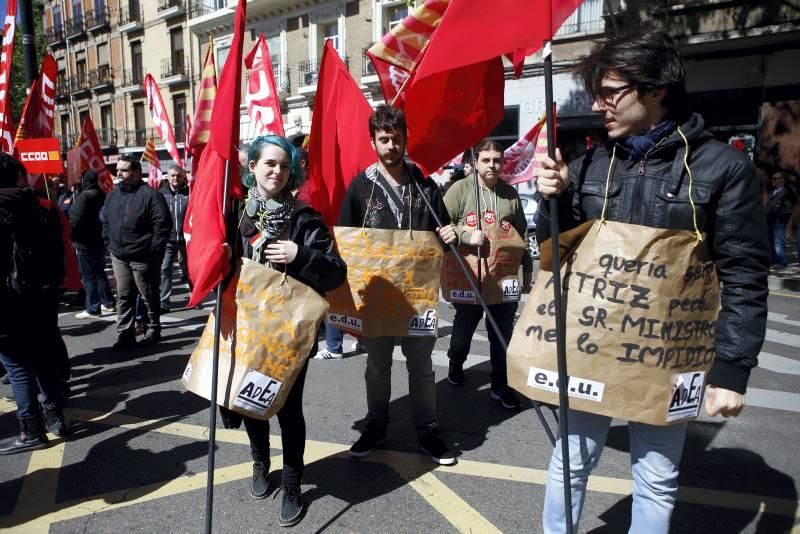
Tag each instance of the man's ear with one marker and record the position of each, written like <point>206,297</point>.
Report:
<point>656,96</point>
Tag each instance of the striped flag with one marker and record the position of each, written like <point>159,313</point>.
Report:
<point>149,156</point>
<point>204,104</point>
<point>523,159</point>
<point>404,43</point>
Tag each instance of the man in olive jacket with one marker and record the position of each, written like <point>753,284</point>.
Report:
<point>139,224</point>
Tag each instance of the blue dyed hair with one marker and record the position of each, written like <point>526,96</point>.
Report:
<point>296,176</point>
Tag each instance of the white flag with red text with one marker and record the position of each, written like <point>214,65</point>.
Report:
<point>262,96</point>
<point>160,118</point>
<point>6,122</point>
<point>524,158</point>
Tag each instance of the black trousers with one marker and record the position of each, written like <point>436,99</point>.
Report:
<point>467,318</point>
<point>293,433</point>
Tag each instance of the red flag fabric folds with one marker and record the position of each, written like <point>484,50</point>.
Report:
<point>262,95</point>
<point>6,122</point>
<point>204,224</point>
<point>340,146</point>
<point>160,118</point>
<point>91,156</point>
<point>36,120</point>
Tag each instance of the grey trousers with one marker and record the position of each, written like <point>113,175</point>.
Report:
<point>133,276</point>
<point>421,380</point>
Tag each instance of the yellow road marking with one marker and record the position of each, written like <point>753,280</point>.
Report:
<point>455,509</point>
<point>786,295</point>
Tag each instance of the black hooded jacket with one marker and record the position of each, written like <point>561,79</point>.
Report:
<point>84,217</point>
<point>176,202</point>
<point>138,223</point>
<point>654,192</point>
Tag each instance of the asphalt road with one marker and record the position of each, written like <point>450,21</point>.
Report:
<point>136,460</point>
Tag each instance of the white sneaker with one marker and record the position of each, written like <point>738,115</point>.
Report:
<point>356,346</point>
<point>86,315</point>
<point>325,354</point>
<point>106,309</point>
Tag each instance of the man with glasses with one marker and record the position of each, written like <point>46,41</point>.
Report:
<point>639,87</point>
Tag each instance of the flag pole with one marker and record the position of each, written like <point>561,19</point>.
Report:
<point>561,345</point>
<point>478,213</point>
<point>212,412</point>
<point>474,286</point>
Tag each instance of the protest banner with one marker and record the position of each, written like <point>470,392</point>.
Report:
<point>641,306</point>
<point>392,286</point>
<point>269,324</point>
<point>500,263</point>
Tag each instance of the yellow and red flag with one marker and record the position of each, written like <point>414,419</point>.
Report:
<point>149,156</point>
<point>204,104</point>
<point>523,159</point>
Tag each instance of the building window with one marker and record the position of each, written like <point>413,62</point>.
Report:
<point>106,128</point>
<point>64,127</point>
<point>393,15</point>
<point>507,132</point>
<point>179,117</point>
<point>587,18</point>
<point>140,134</point>
<point>136,63</point>
<point>77,10</point>
<point>176,47</point>
<point>103,59</point>
<point>222,55</point>
<point>329,31</point>
<point>57,20</point>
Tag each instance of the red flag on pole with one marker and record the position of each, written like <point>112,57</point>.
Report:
<point>160,118</point>
<point>204,104</point>
<point>524,158</point>
<point>36,119</point>
<point>262,95</point>
<point>6,122</point>
<point>456,97</point>
<point>205,233</point>
<point>339,146</point>
<point>149,155</point>
<point>91,156</point>
<point>392,79</point>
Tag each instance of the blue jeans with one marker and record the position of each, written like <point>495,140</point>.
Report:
<point>777,239</point>
<point>170,255</point>
<point>333,338</point>
<point>655,454</point>
<point>27,382</point>
<point>91,264</point>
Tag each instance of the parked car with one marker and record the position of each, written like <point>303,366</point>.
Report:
<point>530,203</point>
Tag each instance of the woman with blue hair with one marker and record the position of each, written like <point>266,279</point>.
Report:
<point>284,233</point>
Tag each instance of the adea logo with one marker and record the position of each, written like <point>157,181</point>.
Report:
<point>462,295</point>
<point>489,216</point>
<point>511,290</point>
<point>686,396</point>
<point>505,225</point>
<point>257,393</point>
<point>471,219</point>
<point>423,325</point>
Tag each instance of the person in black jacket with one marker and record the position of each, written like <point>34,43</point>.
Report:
<point>661,169</point>
<point>385,196</point>
<point>138,224</point>
<point>87,238</point>
<point>274,228</point>
<point>176,192</point>
<point>780,205</point>
<point>31,271</point>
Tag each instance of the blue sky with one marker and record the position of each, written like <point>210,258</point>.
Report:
<point>3,7</point>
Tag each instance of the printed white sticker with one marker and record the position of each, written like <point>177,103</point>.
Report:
<point>511,290</point>
<point>687,393</point>
<point>580,388</point>
<point>187,374</point>
<point>343,321</point>
<point>423,325</point>
<point>462,295</point>
<point>257,393</point>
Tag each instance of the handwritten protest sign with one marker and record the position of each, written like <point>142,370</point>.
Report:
<point>641,306</point>
<point>392,284</point>
<point>499,268</point>
<point>268,328</point>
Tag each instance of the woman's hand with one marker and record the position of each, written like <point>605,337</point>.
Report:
<point>554,177</point>
<point>281,252</point>
<point>448,234</point>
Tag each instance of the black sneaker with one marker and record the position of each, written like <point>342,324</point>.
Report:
<point>507,398</point>
<point>291,507</point>
<point>259,487</point>
<point>151,338</point>
<point>371,438</point>
<point>455,374</point>
<point>432,443</point>
<point>55,422</point>
<point>123,343</point>
<point>31,437</point>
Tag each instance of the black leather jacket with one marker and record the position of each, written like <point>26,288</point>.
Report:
<point>655,192</point>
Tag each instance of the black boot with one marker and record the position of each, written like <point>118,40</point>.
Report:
<point>292,506</point>
<point>55,422</point>
<point>31,437</point>
<point>259,487</point>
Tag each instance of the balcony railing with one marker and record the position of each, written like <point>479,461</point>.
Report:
<point>588,18</point>
<point>164,5</point>
<point>281,78</point>
<point>75,27</point>
<point>67,142</point>
<point>132,78</point>
<point>62,88</point>
<point>180,132</point>
<point>103,76</point>
<point>131,15</point>
<point>137,137</point>
<point>200,8</point>
<point>80,82</point>
<point>54,35</point>
<point>367,69</point>
<point>174,66</point>
<point>106,136</point>
<point>309,71</point>
<point>97,19</point>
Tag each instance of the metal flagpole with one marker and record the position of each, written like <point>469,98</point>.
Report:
<point>478,213</point>
<point>561,346</point>
<point>474,286</point>
<point>212,412</point>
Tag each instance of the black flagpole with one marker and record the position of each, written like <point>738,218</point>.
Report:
<point>474,286</point>
<point>561,345</point>
<point>212,412</point>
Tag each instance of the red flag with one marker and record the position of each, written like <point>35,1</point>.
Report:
<point>340,146</point>
<point>523,158</point>
<point>36,119</point>
<point>392,79</point>
<point>205,234</point>
<point>456,97</point>
<point>262,95</point>
<point>149,155</point>
<point>6,122</point>
<point>160,118</point>
<point>72,276</point>
<point>204,104</point>
<point>92,157</point>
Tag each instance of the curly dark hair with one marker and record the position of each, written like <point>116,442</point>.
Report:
<point>387,118</point>
<point>10,170</point>
<point>648,59</point>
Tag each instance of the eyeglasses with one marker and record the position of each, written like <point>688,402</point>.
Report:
<point>607,94</point>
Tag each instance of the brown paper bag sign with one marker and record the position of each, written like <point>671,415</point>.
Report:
<point>499,270</point>
<point>641,306</point>
<point>392,284</point>
<point>269,324</point>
